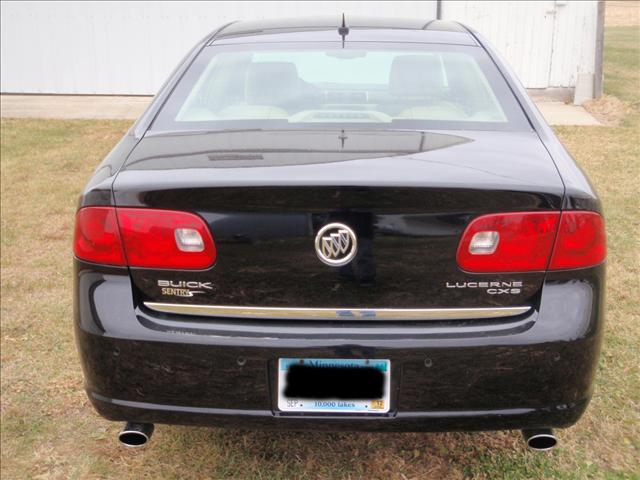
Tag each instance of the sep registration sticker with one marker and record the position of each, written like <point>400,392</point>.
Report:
<point>334,385</point>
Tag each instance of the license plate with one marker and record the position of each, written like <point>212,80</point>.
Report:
<point>334,385</point>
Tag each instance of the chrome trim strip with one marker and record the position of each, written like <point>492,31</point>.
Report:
<point>281,313</point>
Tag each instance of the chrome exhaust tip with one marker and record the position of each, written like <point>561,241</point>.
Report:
<point>135,434</point>
<point>541,439</point>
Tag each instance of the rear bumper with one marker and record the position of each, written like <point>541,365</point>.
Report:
<point>430,421</point>
<point>535,370</point>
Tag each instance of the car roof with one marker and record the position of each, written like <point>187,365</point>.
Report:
<point>324,28</point>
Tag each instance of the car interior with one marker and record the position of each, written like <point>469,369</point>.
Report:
<point>416,86</point>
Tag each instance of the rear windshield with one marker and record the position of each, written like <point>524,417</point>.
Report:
<point>388,86</point>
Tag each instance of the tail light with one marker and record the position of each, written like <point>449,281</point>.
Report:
<point>532,241</point>
<point>581,242</point>
<point>97,238</point>
<point>141,237</point>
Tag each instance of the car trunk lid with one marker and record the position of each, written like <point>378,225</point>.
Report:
<point>407,196</point>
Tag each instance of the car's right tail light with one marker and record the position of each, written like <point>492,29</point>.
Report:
<point>532,241</point>
<point>143,237</point>
<point>581,242</point>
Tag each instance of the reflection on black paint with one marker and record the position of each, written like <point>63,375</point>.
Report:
<point>244,149</point>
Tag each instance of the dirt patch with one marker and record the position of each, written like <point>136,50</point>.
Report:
<point>608,110</point>
<point>621,13</point>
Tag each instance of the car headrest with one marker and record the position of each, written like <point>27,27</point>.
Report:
<point>416,76</point>
<point>271,83</point>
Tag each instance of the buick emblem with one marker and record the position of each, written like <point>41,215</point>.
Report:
<point>336,244</point>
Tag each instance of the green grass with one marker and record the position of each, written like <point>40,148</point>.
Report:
<point>622,63</point>
<point>49,430</point>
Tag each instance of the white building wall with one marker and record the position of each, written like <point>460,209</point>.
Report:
<point>130,47</point>
<point>546,42</point>
<point>574,42</point>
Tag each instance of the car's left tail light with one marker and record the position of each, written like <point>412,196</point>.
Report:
<point>97,238</point>
<point>141,237</point>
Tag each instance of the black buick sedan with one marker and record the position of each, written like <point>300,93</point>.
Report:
<point>340,225</point>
